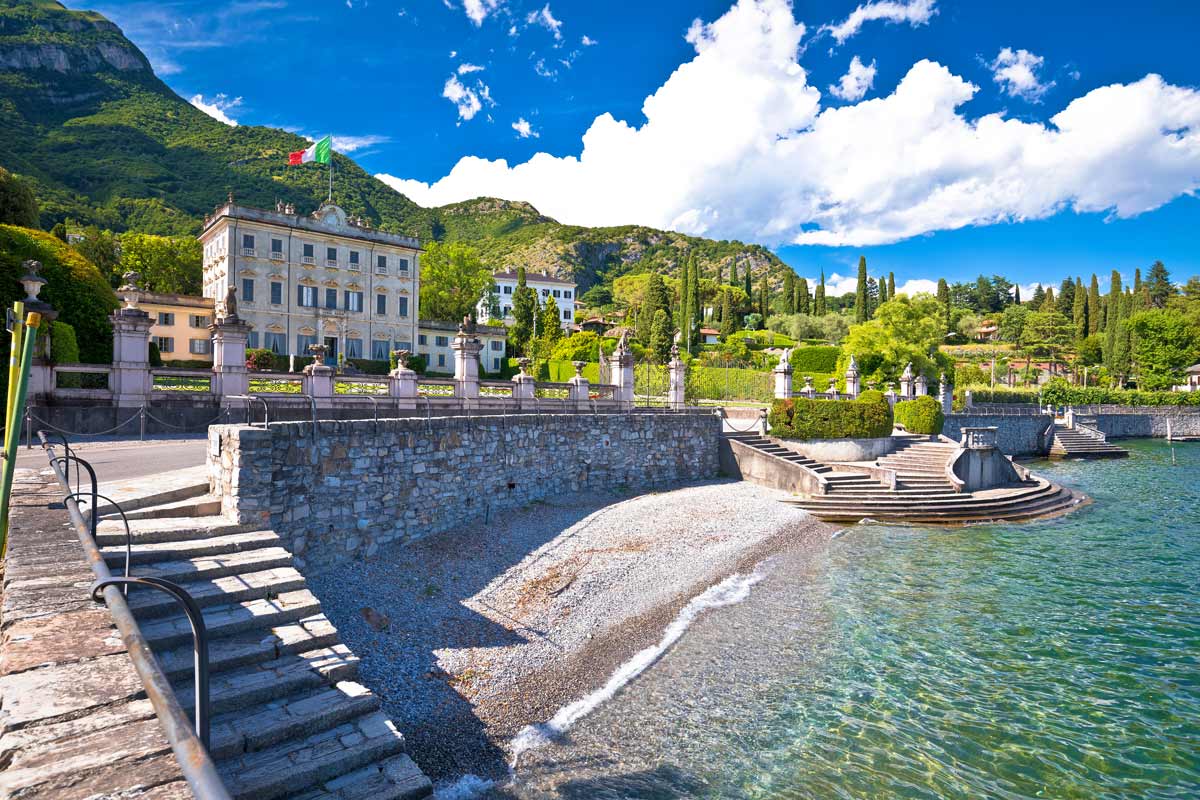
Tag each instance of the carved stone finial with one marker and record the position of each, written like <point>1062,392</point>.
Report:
<point>852,367</point>
<point>579,365</point>
<point>401,357</point>
<point>908,372</point>
<point>675,352</point>
<point>231,198</point>
<point>230,313</point>
<point>524,363</point>
<point>318,351</point>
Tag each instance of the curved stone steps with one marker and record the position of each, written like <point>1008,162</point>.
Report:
<point>1070,443</point>
<point>230,588</point>
<point>1026,502</point>
<point>191,548</point>
<point>111,532</point>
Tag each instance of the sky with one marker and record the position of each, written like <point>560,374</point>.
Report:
<point>937,138</point>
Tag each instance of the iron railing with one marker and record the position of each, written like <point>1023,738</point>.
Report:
<point>189,744</point>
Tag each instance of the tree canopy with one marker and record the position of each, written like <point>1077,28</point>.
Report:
<point>905,329</point>
<point>453,280</point>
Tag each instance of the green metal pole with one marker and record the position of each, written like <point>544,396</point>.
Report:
<point>32,321</point>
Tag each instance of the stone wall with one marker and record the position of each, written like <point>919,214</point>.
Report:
<point>1017,434</point>
<point>361,484</point>
<point>1150,422</point>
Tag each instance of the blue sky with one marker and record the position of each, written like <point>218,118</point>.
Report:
<point>747,136</point>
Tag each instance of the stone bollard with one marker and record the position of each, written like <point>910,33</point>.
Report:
<point>466,347</point>
<point>968,401</point>
<point>319,378</point>
<point>678,373</point>
<point>621,364</point>
<point>524,384</point>
<point>833,390</point>
<point>808,390</point>
<point>906,382</point>
<point>230,375</point>
<point>783,377</point>
<point>945,394</point>
<point>131,382</point>
<point>402,381</point>
<point>852,385</point>
<point>578,393</point>
<point>890,394</point>
<point>921,386</point>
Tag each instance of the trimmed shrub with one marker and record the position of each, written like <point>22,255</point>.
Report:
<point>1000,394</point>
<point>814,359</point>
<point>920,415</point>
<point>154,356</point>
<point>370,366</point>
<point>64,349</point>
<point>867,417</point>
<point>260,359</point>
<point>1058,392</point>
<point>180,363</point>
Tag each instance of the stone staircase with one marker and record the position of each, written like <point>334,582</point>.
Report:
<point>923,493</point>
<point>1070,443</point>
<point>289,719</point>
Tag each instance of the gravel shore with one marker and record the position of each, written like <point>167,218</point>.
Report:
<point>472,635</point>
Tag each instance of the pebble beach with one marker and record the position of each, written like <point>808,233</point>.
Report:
<point>473,635</point>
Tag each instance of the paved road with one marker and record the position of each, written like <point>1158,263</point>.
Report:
<point>120,460</point>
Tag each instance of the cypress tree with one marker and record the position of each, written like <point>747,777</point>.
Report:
<point>1039,297</point>
<point>728,326</point>
<point>656,299</point>
<point>883,292</point>
<point>1158,285</point>
<point>789,292</point>
<point>1093,302</point>
<point>1113,322</point>
<point>1080,311</point>
<point>748,286</point>
<point>763,298</point>
<point>1066,298</point>
<point>524,308</point>
<point>819,301</point>
<point>1049,303</point>
<point>694,292</point>
<point>660,337</point>
<point>1137,281</point>
<point>733,276</point>
<point>943,297</point>
<point>861,311</point>
<point>1017,295</point>
<point>891,285</point>
<point>803,301</point>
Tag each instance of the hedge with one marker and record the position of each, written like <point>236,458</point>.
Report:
<point>920,415</point>
<point>814,359</point>
<point>867,417</point>
<point>1058,392</point>
<point>1001,394</point>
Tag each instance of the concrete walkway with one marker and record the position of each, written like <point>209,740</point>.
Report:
<point>116,460</point>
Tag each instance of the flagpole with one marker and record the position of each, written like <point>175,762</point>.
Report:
<point>331,175</point>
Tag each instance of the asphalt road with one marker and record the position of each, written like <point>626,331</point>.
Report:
<point>123,459</point>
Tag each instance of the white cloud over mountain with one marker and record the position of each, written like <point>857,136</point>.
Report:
<point>774,166</point>
<point>218,107</point>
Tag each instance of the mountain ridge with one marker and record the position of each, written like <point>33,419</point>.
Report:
<point>104,141</point>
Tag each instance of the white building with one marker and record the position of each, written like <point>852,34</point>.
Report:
<point>543,286</point>
<point>307,279</point>
<point>433,342</point>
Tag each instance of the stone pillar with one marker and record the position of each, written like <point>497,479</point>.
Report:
<point>678,370</point>
<point>621,364</point>
<point>833,392</point>
<point>890,394</point>
<point>921,386</point>
<point>808,390</point>
<point>131,348</point>
<point>402,381</point>
<point>524,384</point>
<point>466,347</point>
<point>945,394</point>
<point>41,370</point>
<point>579,393</point>
<point>783,377</point>
<point>906,382</point>
<point>968,401</point>
<point>852,385</point>
<point>318,377</point>
<point>230,375</point>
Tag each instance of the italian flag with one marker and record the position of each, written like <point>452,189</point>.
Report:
<point>320,152</point>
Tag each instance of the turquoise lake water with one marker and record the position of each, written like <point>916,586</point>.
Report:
<point>1058,659</point>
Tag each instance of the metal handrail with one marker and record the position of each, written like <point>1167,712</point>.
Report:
<point>124,519</point>
<point>250,398</point>
<point>194,761</point>
<point>199,639</point>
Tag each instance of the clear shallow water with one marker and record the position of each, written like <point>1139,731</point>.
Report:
<point>1055,659</point>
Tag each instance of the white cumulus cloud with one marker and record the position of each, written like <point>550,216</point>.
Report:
<point>546,19</point>
<point>479,10</point>
<point>857,81</point>
<point>347,143</point>
<point>464,69</point>
<point>914,12</point>
<point>775,166</point>
<point>524,129</point>
<point>1017,73</point>
<point>218,107</point>
<point>466,99</point>
<point>587,41</point>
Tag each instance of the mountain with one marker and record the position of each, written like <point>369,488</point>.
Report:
<point>102,140</point>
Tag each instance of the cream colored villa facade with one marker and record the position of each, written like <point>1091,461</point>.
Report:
<point>302,280</point>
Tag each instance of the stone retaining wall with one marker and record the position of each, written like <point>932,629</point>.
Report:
<point>1150,422</point>
<point>363,484</point>
<point>1017,434</point>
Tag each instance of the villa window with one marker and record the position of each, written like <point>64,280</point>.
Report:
<point>381,304</point>
<point>306,296</point>
<point>354,348</point>
<point>497,345</point>
<point>277,248</point>
<point>402,306</point>
<point>302,343</point>
<point>247,244</point>
<point>508,289</point>
<point>381,265</point>
<point>441,359</point>
<point>404,346</point>
<point>166,318</point>
<point>308,257</point>
<point>198,321</point>
<point>331,257</point>
<point>354,301</point>
<point>252,340</point>
<point>421,339</point>
<point>403,265</point>
<point>331,298</point>
<point>442,341</point>
<point>379,350</point>
<point>276,293</point>
<point>166,344</point>
<point>275,342</point>
<point>353,259</point>
<point>199,347</point>
<point>248,290</point>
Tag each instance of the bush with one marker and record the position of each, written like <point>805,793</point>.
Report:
<point>370,366</point>
<point>1058,392</point>
<point>867,417</point>
<point>179,363</point>
<point>920,415</point>
<point>260,359</point>
<point>1000,394</point>
<point>814,359</point>
<point>154,356</point>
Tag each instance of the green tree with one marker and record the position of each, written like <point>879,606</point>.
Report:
<point>728,323</point>
<point>1165,344</point>
<point>1012,323</point>
<point>172,264</point>
<point>1080,311</point>
<point>660,337</point>
<point>550,322</point>
<point>803,301</point>
<point>1159,286</point>
<point>17,203</point>
<point>789,291</point>
<point>904,329</point>
<point>891,284</point>
<point>1066,298</point>
<point>655,298</point>
<point>819,309</point>
<point>943,298</point>
<point>1112,318</point>
<point>733,273</point>
<point>1121,360</point>
<point>764,297</point>
<point>1093,307</point>
<point>453,279</point>
<point>862,311</point>
<point>102,248</point>
<point>1039,297</point>
<point>883,291</point>
<point>59,231</point>
<point>747,285</point>
<point>524,307</point>
<point>1137,281</point>
<point>1050,304</point>
<point>1016,294</point>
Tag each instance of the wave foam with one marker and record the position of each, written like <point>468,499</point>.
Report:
<point>465,788</point>
<point>730,591</point>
